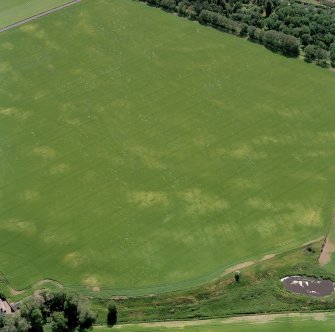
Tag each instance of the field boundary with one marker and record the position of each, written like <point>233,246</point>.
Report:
<point>247,318</point>
<point>39,15</point>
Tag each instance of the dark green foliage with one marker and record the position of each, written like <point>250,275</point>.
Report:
<point>57,311</point>
<point>31,311</point>
<point>321,56</point>
<point>15,323</point>
<point>332,54</point>
<point>58,322</point>
<point>168,4</point>
<point>112,314</point>
<point>309,53</point>
<point>284,26</point>
<point>237,276</point>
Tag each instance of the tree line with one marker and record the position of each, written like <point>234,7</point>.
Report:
<point>288,27</point>
<point>58,311</point>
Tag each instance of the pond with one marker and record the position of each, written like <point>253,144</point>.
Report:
<point>308,285</point>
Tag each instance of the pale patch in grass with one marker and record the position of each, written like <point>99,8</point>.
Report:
<point>318,154</point>
<point>245,151</point>
<point>229,231</point>
<point>91,281</point>
<point>310,176</point>
<point>121,103</point>
<point>310,217</point>
<point>8,46</point>
<point>243,183</point>
<point>44,151</point>
<point>30,195</point>
<point>187,239</point>
<point>73,122</point>
<point>54,237</point>
<point>326,137</point>
<point>40,34</point>
<point>10,111</point>
<point>18,226</point>
<point>89,176</point>
<point>260,204</point>
<point>289,113</point>
<point>241,152</point>
<point>201,203</point>
<point>85,27</point>
<point>74,259</point>
<point>31,27</point>
<point>5,67</point>
<point>265,140</point>
<point>267,227</point>
<point>40,94</point>
<point>60,169</point>
<point>148,198</point>
<point>15,113</point>
<point>204,141</point>
<point>300,215</point>
<point>66,107</point>
<point>148,157</point>
<point>51,44</point>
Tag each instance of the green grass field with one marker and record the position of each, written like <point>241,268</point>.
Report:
<point>321,323</point>
<point>139,152</point>
<point>12,11</point>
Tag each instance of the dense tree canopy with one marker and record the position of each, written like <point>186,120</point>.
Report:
<point>51,311</point>
<point>282,26</point>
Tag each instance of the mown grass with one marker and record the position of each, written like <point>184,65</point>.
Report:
<point>140,152</point>
<point>12,11</point>
<point>294,324</point>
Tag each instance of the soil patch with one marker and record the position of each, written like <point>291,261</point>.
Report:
<point>308,286</point>
<point>326,253</point>
<point>238,267</point>
<point>266,257</point>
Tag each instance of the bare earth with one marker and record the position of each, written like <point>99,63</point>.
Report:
<point>327,251</point>
<point>238,267</point>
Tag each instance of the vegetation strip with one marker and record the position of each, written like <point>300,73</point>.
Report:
<point>34,17</point>
<point>262,318</point>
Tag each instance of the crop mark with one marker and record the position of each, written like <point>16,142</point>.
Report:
<point>44,152</point>
<point>74,259</point>
<point>60,169</point>
<point>30,195</point>
<point>148,198</point>
<point>18,226</point>
<point>200,203</point>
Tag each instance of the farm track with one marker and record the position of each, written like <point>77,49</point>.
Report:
<point>34,17</point>
<point>14,291</point>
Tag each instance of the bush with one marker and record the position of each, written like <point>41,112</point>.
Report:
<point>112,314</point>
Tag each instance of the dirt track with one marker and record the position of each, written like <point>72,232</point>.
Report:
<point>47,12</point>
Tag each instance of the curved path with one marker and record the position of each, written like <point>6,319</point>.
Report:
<point>47,12</point>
